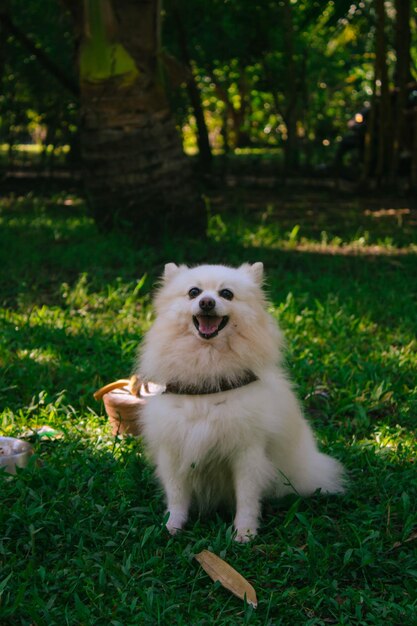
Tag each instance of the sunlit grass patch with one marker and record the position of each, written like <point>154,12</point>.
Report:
<point>271,235</point>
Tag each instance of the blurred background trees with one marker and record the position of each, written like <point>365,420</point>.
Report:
<point>320,87</point>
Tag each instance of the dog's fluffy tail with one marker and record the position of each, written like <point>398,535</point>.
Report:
<point>307,470</point>
<point>323,472</point>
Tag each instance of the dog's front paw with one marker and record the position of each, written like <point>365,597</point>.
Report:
<point>173,530</point>
<point>176,522</point>
<point>244,535</point>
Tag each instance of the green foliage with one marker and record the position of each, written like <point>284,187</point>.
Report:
<point>243,74</point>
<point>34,107</point>
<point>239,53</point>
<point>82,538</point>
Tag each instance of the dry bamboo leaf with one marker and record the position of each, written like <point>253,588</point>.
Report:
<point>135,384</point>
<point>219,570</point>
<point>398,544</point>
<point>118,384</point>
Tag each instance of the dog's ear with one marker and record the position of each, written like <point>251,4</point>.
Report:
<point>169,271</point>
<point>255,271</point>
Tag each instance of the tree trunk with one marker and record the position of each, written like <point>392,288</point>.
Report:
<point>413,176</point>
<point>413,160</point>
<point>402,76</point>
<point>239,115</point>
<point>291,94</point>
<point>204,150</point>
<point>384,126</point>
<point>3,37</point>
<point>370,139</point>
<point>135,170</point>
<point>9,28</point>
<point>228,127</point>
<point>305,98</point>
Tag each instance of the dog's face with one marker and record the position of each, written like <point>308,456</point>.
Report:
<point>211,323</point>
<point>210,301</point>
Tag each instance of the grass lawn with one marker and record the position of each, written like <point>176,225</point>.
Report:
<point>81,533</point>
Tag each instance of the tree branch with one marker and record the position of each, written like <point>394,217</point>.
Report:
<point>41,57</point>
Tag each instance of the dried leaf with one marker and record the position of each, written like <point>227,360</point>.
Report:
<point>219,570</point>
<point>42,432</point>
<point>117,384</point>
<point>398,544</point>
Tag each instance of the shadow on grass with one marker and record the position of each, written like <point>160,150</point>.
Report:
<point>347,216</point>
<point>344,315</point>
<point>40,358</point>
<point>43,245</point>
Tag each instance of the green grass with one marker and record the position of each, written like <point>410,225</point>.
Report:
<point>82,539</point>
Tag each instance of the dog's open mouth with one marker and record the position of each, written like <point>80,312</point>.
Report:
<point>209,326</point>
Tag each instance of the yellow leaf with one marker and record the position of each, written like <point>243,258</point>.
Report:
<point>118,384</point>
<point>227,576</point>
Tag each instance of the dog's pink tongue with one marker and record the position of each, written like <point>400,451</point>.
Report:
<point>208,324</point>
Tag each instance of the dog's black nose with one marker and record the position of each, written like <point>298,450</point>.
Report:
<point>207,304</point>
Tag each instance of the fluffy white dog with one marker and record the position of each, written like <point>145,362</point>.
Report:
<point>228,428</point>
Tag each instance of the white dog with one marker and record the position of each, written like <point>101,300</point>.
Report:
<point>228,428</point>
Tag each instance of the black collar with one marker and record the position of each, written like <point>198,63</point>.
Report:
<point>223,384</point>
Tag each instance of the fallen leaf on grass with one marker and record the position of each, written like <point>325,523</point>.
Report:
<point>43,432</point>
<point>398,544</point>
<point>227,576</point>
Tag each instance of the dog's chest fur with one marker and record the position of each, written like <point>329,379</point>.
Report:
<point>203,429</point>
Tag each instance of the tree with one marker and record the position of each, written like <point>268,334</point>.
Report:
<point>384,137</point>
<point>204,150</point>
<point>134,167</point>
<point>391,128</point>
<point>402,78</point>
<point>289,75</point>
<point>38,83</point>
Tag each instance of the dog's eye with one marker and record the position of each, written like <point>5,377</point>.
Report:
<point>226,294</point>
<point>194,292</point>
